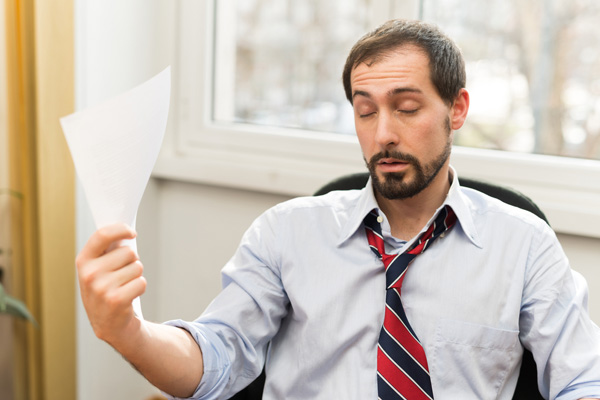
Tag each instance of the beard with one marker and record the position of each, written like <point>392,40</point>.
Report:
<point>395,185</point>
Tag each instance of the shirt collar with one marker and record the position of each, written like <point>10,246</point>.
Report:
<point>366,203</point>
<point>461,206</point>
<point>455,199</point>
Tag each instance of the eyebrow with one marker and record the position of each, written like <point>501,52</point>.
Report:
<point>404,90</point>
<point>390,93</point>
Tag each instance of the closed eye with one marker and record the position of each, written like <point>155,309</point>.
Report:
<point>412,111</point>
<point>366,115</point>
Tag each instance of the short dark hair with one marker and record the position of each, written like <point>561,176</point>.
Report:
<point>446,63</point>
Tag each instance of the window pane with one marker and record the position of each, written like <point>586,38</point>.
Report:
<point>289,56</point>
<point>533,67</point>
<point>533,71</point>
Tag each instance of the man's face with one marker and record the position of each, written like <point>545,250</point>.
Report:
<point>403,125</point>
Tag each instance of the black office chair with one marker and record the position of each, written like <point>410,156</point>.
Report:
<point>527,388</point>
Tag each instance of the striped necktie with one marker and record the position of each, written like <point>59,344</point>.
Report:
<point>402,371</point>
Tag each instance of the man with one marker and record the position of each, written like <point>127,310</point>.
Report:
<point>307,290</point>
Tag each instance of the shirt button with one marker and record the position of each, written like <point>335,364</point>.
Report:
<point>380,219</point>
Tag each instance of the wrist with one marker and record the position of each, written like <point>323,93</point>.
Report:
<point>129,338</point>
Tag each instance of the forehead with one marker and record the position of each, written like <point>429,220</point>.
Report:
<point>405,66</point>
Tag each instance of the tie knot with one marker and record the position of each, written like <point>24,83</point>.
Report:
<point>445,220</point>
<point>395,265</point>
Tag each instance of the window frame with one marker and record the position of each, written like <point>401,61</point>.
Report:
<point>296,162</point>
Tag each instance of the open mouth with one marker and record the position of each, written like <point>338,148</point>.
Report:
<point>391,161</point>
<point>392,165</point>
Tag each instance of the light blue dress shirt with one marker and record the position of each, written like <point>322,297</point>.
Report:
<point>305,293</point>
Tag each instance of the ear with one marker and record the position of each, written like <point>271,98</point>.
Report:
<point>459,110</point>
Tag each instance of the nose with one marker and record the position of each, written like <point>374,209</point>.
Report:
<point>386,134</point>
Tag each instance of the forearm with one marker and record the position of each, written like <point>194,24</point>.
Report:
<point>110,277</point>
<point>165,355</point>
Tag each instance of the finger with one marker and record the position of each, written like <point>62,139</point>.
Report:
<point>102,239</point>
<point>106,282</point>
<point>97,277</point>
<point>117,259</point>
<point>130,290</point>
<point>126,274</point>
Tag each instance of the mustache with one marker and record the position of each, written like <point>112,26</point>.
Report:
<point>404,157</point>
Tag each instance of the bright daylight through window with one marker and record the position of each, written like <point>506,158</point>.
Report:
<point>533,67</point>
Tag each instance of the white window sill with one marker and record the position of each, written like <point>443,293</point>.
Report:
<point>567,190</point>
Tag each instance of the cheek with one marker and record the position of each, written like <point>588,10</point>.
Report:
<point>426,137</point>
<point>418,132</point>
<point>363,133</point>
<point>430,129</point>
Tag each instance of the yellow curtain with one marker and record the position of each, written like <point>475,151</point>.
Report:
<point>39,88</point>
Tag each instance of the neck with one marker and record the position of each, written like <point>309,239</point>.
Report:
<point>408,216</point>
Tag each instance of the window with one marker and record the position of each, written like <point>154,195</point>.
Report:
<point>533,73</point>
<point>534,69</point>
<point>246,119</point>
<point>286,59</point>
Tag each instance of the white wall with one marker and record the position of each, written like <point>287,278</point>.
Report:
<point>186,231</point>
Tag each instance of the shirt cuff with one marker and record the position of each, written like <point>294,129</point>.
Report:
<point>216,361</point>
<point>584,390</point>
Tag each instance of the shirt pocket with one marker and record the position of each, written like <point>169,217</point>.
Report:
<point>470,360</point>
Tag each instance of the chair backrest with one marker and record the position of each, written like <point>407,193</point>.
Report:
<point>527,388</point>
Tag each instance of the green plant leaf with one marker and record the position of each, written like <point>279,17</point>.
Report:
<point>12,306</point>
<point>17,308</point>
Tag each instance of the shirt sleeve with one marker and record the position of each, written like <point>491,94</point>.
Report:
<point>555,325</point>
<point>236,328</point>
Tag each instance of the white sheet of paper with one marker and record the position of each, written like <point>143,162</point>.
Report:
<point>114,146</point>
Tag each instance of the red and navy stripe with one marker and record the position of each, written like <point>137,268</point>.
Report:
<point>402,370</point>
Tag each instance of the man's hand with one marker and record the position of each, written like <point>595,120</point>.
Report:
<point>110,277</point>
